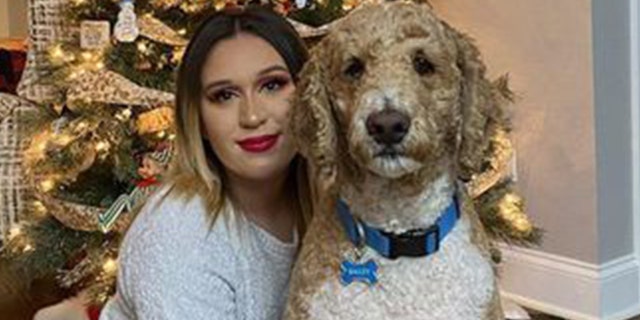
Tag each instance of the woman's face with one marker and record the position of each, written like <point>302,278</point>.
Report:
<point>245,100</point>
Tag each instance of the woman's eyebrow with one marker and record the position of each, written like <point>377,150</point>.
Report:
<point>267,70</point>
<point>273,68</point>
<point>217,84</point>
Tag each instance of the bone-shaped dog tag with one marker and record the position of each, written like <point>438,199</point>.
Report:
<point>363,272</point>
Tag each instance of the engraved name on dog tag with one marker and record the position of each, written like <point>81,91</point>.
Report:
<point>363,272</point>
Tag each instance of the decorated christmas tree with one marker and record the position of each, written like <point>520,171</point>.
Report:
<point>103,135</point>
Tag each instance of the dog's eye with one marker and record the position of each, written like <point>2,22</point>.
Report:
<point>422,65</point>
<point>354,69</point>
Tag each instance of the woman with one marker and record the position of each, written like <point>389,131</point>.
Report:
<point>219,239</point>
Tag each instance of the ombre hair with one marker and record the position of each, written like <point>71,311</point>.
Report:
<point>196,170</point>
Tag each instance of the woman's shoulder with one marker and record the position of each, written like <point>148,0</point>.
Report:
<point>170,252</point>
<point>167,216</point>
<point>173,232</point>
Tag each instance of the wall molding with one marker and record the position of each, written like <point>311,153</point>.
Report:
<point>570,288</point>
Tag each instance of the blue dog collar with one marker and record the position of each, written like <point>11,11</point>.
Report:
<point>413,243</point>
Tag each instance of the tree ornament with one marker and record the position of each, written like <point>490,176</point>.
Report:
<point>126,29</point>
<point>154,29</point>
<point>153,165</point>
<point>94,34</point>
<point>156,120</point>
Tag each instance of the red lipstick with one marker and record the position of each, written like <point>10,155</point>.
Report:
<point>259,143</point>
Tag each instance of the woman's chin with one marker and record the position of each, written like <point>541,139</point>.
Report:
<point>262,169</point>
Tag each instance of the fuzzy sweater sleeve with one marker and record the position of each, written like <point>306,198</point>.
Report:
<point>167,273</point>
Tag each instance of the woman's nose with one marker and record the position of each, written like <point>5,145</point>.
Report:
<point>252,113</point>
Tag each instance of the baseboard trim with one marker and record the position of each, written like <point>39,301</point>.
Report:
<point>570,288</point>
<point>547,308</point>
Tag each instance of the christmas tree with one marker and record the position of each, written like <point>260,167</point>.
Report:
<point>103,136</point>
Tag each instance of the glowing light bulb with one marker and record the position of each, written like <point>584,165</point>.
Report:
<point>47,185</point>
<point>64,139</point>
<point>124,115</point>
<point>81,126</point>
<point>522,225</point>
<point>101,146</point>
<point>14,232</point>
<point>57,52</point>
<point>39,209</point>
<point>87,56</point>
<point>142,47</point>
<point>110,266</point>
<point>39,206</point>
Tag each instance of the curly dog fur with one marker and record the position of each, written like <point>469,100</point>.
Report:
<point>400,57</point>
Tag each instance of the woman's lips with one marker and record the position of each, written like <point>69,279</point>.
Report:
<point>259,143</point>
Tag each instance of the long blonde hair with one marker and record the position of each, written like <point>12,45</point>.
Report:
<point>196,169</point>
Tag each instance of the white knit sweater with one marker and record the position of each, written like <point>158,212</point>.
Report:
<point>173,266</point>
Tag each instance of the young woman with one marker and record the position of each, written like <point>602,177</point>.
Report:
<point>219,238</point>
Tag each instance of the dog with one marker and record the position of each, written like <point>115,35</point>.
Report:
<point>392,111</point>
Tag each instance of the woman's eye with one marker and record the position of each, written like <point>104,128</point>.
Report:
<point>274,84</point>
<point>221,96</point>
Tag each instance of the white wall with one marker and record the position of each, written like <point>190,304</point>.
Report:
<point>545,46</point>
<point>4,18</point>
<point>18,22</point>
<point>570,61</point>
<point>13,18</point>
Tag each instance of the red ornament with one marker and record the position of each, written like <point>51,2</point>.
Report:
<point>93,312</point>
<point>147,182</point>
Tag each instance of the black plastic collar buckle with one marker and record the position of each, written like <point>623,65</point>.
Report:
<point>414,243</point>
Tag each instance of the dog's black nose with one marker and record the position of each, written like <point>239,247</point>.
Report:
<point>388,126</point>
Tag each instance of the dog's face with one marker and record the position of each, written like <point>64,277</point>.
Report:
<point>396,87</point>
<point>395,91</point>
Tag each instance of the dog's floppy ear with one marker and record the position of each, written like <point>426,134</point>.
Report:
<point>312,121</point>
<point>481,108</point>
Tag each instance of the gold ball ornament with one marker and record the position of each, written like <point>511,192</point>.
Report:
<point>156,120</point>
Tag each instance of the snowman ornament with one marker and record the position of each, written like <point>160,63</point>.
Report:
<point>126,28</point>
